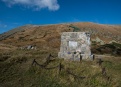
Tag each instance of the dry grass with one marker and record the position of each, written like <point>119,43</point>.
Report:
<point>16,71</point>
<point>47,35</point>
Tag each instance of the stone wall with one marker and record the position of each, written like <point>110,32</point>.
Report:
<point>75,46</point>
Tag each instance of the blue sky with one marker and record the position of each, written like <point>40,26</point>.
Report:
<point>14,13</point>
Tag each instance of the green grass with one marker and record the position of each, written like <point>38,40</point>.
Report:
<point>117,44</point>
<point>17,71</point>
<point>76,29</point>
<point>113,49</point>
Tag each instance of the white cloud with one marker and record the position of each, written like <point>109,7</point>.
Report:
<point>36,4</point>
<point>3,26</point>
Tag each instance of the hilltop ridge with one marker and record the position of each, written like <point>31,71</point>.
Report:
<point>49,35</point>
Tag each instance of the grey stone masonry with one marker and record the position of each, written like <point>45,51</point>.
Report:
<point>75,46</point>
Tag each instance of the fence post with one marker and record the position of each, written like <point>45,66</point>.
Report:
<point>104,71</point>
<point>100,62</point>
<point>33,62</point>
<point>59,68</point>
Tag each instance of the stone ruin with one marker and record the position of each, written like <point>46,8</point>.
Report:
<point>75,46</point>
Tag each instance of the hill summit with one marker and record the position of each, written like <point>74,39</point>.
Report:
<point>48,36</point>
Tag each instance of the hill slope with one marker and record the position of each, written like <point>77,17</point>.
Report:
<point>18,70</point>
<point>49,36</point>
<point>46,35</point>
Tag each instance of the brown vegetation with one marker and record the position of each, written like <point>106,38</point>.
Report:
<point>49,36</point>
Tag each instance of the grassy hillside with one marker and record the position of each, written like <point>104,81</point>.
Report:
<point>50,34</point>
<point>16,70</point>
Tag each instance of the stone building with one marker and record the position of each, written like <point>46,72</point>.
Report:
<point>75,46</point>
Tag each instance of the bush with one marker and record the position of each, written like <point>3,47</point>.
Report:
<point>15,59</point>
<point>116,44</point>
<point>4,57</point>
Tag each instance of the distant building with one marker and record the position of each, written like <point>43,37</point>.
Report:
<point>75,46</point>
